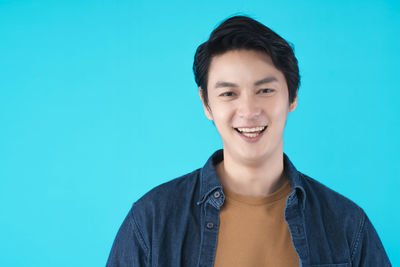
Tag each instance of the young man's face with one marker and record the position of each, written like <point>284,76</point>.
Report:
<point>249,102</point>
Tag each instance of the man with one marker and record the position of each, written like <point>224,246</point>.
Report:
<point>248,205</point>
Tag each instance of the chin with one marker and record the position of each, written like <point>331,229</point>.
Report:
<point>254,155</point>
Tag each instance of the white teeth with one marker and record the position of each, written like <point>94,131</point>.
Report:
<point>252,135</point>
<point>249,130</point>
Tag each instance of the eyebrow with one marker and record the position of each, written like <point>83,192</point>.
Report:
<point>262,81</point>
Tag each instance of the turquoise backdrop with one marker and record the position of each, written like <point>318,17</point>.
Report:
<point>98,105</point>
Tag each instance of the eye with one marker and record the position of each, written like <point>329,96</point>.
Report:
<point>266,91</point>
<point>227,94</point>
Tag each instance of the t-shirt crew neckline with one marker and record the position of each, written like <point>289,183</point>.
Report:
<point>283,191</point>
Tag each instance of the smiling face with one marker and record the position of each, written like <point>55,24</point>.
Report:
<point>248,100</point>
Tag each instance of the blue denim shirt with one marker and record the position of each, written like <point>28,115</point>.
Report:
<point>176,224</point>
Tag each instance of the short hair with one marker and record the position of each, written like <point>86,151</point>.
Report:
<point>242,32</point>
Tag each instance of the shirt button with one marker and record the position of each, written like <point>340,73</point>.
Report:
<point>217,194</point>
<point>210,225</point>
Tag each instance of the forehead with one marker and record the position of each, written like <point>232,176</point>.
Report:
<point>242,66</point>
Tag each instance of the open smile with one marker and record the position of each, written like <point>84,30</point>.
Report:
<point>251,132</point>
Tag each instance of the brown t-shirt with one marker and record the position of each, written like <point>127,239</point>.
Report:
<point>253,231</point>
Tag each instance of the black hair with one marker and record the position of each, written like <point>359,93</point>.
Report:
<point>242,32</point>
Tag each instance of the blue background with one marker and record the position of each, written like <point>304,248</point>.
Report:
<point>98,105</point>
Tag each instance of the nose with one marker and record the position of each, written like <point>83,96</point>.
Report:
<point>248,107</point>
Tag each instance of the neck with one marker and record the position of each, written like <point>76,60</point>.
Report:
<point>252,180</point>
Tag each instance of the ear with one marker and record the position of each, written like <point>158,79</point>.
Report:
<point>207,110</point>
<point>293,105</point>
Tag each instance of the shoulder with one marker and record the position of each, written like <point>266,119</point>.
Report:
<point>173,194</point>
<point>331,213</point>
<point>176,188</point>
<point>320,195</point>
<point>330,209</point>
<point>332,216</point>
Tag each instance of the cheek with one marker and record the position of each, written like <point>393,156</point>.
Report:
<point>219,110</point>
<point>221,117</point>
<point>278,111</point>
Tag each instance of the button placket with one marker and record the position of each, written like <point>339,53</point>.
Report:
<point>294,219</point>
<point>209,232</point>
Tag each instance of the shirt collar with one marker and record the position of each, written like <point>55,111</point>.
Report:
<point>209,180</point>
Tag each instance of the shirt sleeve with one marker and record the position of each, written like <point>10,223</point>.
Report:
<point>129,248</point>
<point>368,250</point>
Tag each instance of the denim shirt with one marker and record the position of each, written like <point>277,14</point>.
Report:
<point>176,224</point>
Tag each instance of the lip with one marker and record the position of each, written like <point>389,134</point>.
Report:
<point>251,139</point>
<point>250,126</point>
